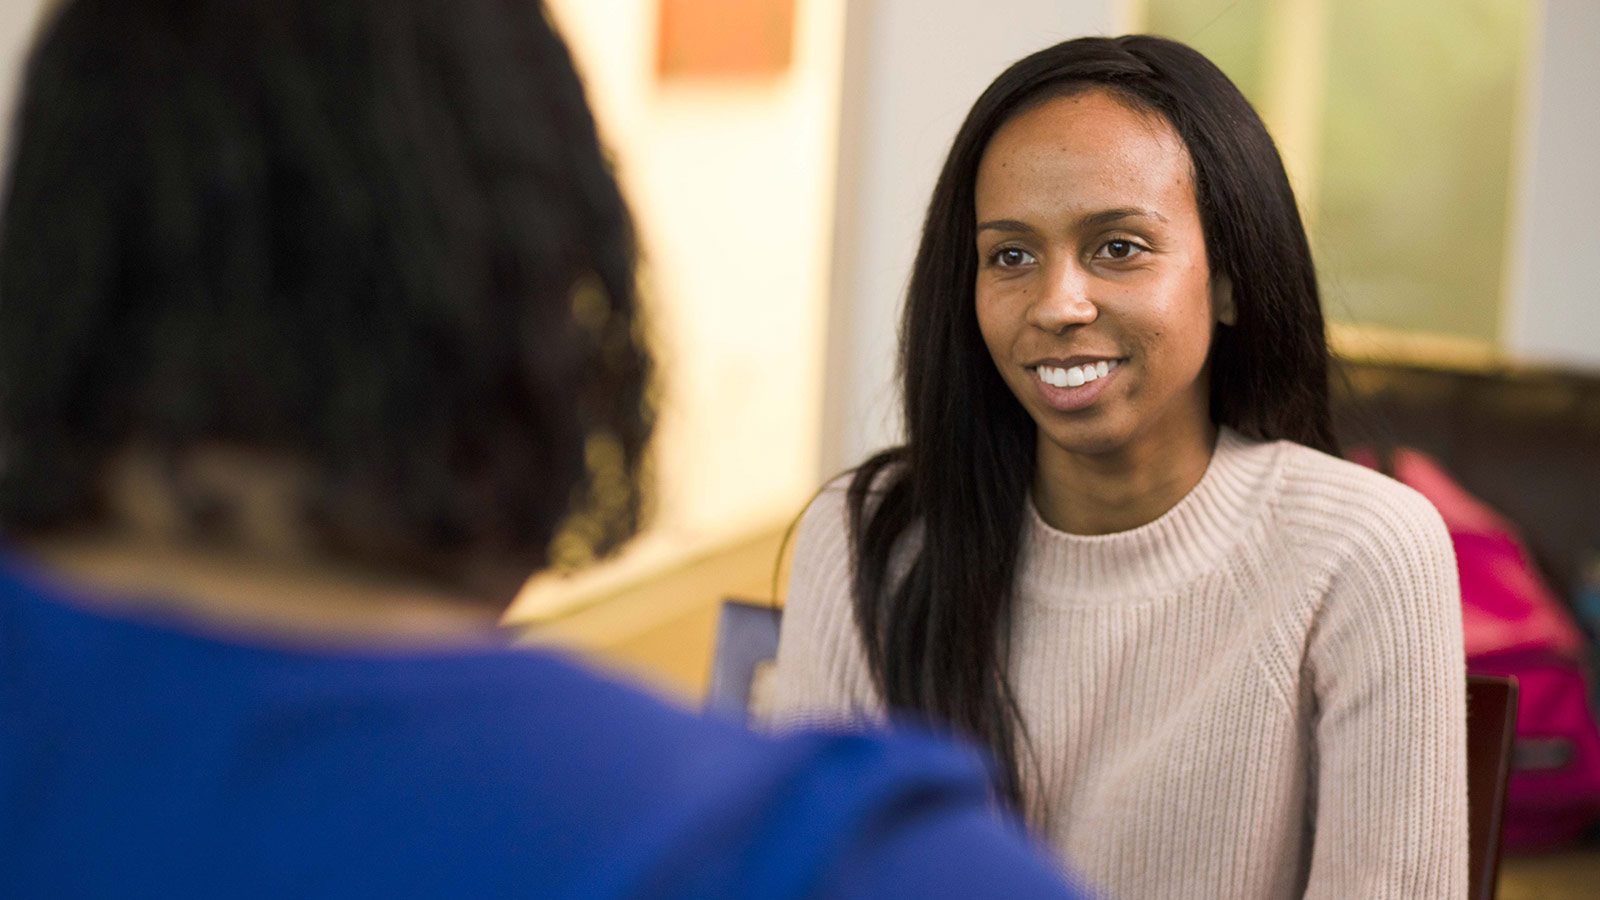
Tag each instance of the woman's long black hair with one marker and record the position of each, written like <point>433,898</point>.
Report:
<point>937,636</point>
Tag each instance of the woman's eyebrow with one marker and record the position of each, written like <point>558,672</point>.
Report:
<point>1107,216</point>
<point>1007,225</point>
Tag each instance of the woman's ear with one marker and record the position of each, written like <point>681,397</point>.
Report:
<point>1222,307</point>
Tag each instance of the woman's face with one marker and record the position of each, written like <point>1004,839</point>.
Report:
<point>1093,292</point>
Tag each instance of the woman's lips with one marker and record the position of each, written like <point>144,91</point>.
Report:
<point>1071,388</point>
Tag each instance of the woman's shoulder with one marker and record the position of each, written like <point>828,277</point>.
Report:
<point>1347,510</point>
<point>822,535</point>
<point>826,517</point>
<point>1314,478</point>
<point>829,510</point>
<point>824,539</point>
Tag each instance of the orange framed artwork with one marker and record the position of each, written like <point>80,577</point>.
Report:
<point>725,38</point>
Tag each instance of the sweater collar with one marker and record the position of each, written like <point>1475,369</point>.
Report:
<point>1143,563</point>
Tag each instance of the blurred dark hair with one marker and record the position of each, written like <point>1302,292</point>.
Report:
<point>937,639</point>
<point>377,237</point>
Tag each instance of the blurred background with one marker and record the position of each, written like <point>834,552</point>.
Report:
<point>778,155</point>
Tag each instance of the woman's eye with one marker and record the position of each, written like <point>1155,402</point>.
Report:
<point>1119,249</point>
<point>1011,257</point>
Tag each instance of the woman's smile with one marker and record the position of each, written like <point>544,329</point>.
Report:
<point>1076,383</point>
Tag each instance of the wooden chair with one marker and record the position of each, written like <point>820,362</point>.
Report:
<point>1491,726</point>
<point>747,636</point>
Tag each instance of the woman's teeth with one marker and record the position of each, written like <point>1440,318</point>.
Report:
<point>1077,375</point>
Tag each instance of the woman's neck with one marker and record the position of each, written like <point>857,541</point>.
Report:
<point>1120,491</point>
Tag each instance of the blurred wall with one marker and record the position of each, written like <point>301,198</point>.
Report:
<point>18,20</point>
<point>1554,293</point>
<point>731,183</point>
<point>1400,126</point>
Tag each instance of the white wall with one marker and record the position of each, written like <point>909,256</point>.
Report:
<point>732,186</point>
<point>912,69</point>
<point>18,21</point>
<point>1554,296</point>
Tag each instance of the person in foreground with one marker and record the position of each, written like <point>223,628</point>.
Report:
<point>1118,547</point>
<point>328,298</point>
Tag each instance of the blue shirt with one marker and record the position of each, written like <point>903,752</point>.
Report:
<point>139,759</point>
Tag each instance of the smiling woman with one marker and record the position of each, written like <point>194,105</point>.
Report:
<point>1117,547</point>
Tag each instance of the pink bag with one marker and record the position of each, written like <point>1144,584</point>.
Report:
<point>1516,626</point>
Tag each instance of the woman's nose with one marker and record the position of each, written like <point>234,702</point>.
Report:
<point>1064,302</point>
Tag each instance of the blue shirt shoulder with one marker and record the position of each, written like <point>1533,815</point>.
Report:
<point>147,759</point>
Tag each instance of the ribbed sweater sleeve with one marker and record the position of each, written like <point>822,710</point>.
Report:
<point>822,675</point>
<point>1385,662</point>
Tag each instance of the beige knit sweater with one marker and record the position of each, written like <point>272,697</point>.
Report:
<point>1260,694</point>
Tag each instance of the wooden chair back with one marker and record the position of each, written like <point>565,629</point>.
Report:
<point>1491,728</point>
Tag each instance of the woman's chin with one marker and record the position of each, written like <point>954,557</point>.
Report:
<point>1081,439</point>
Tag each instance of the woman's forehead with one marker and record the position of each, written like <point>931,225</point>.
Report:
<point>1088,150</point>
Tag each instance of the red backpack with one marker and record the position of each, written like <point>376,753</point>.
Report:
<point>1516,626</point>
